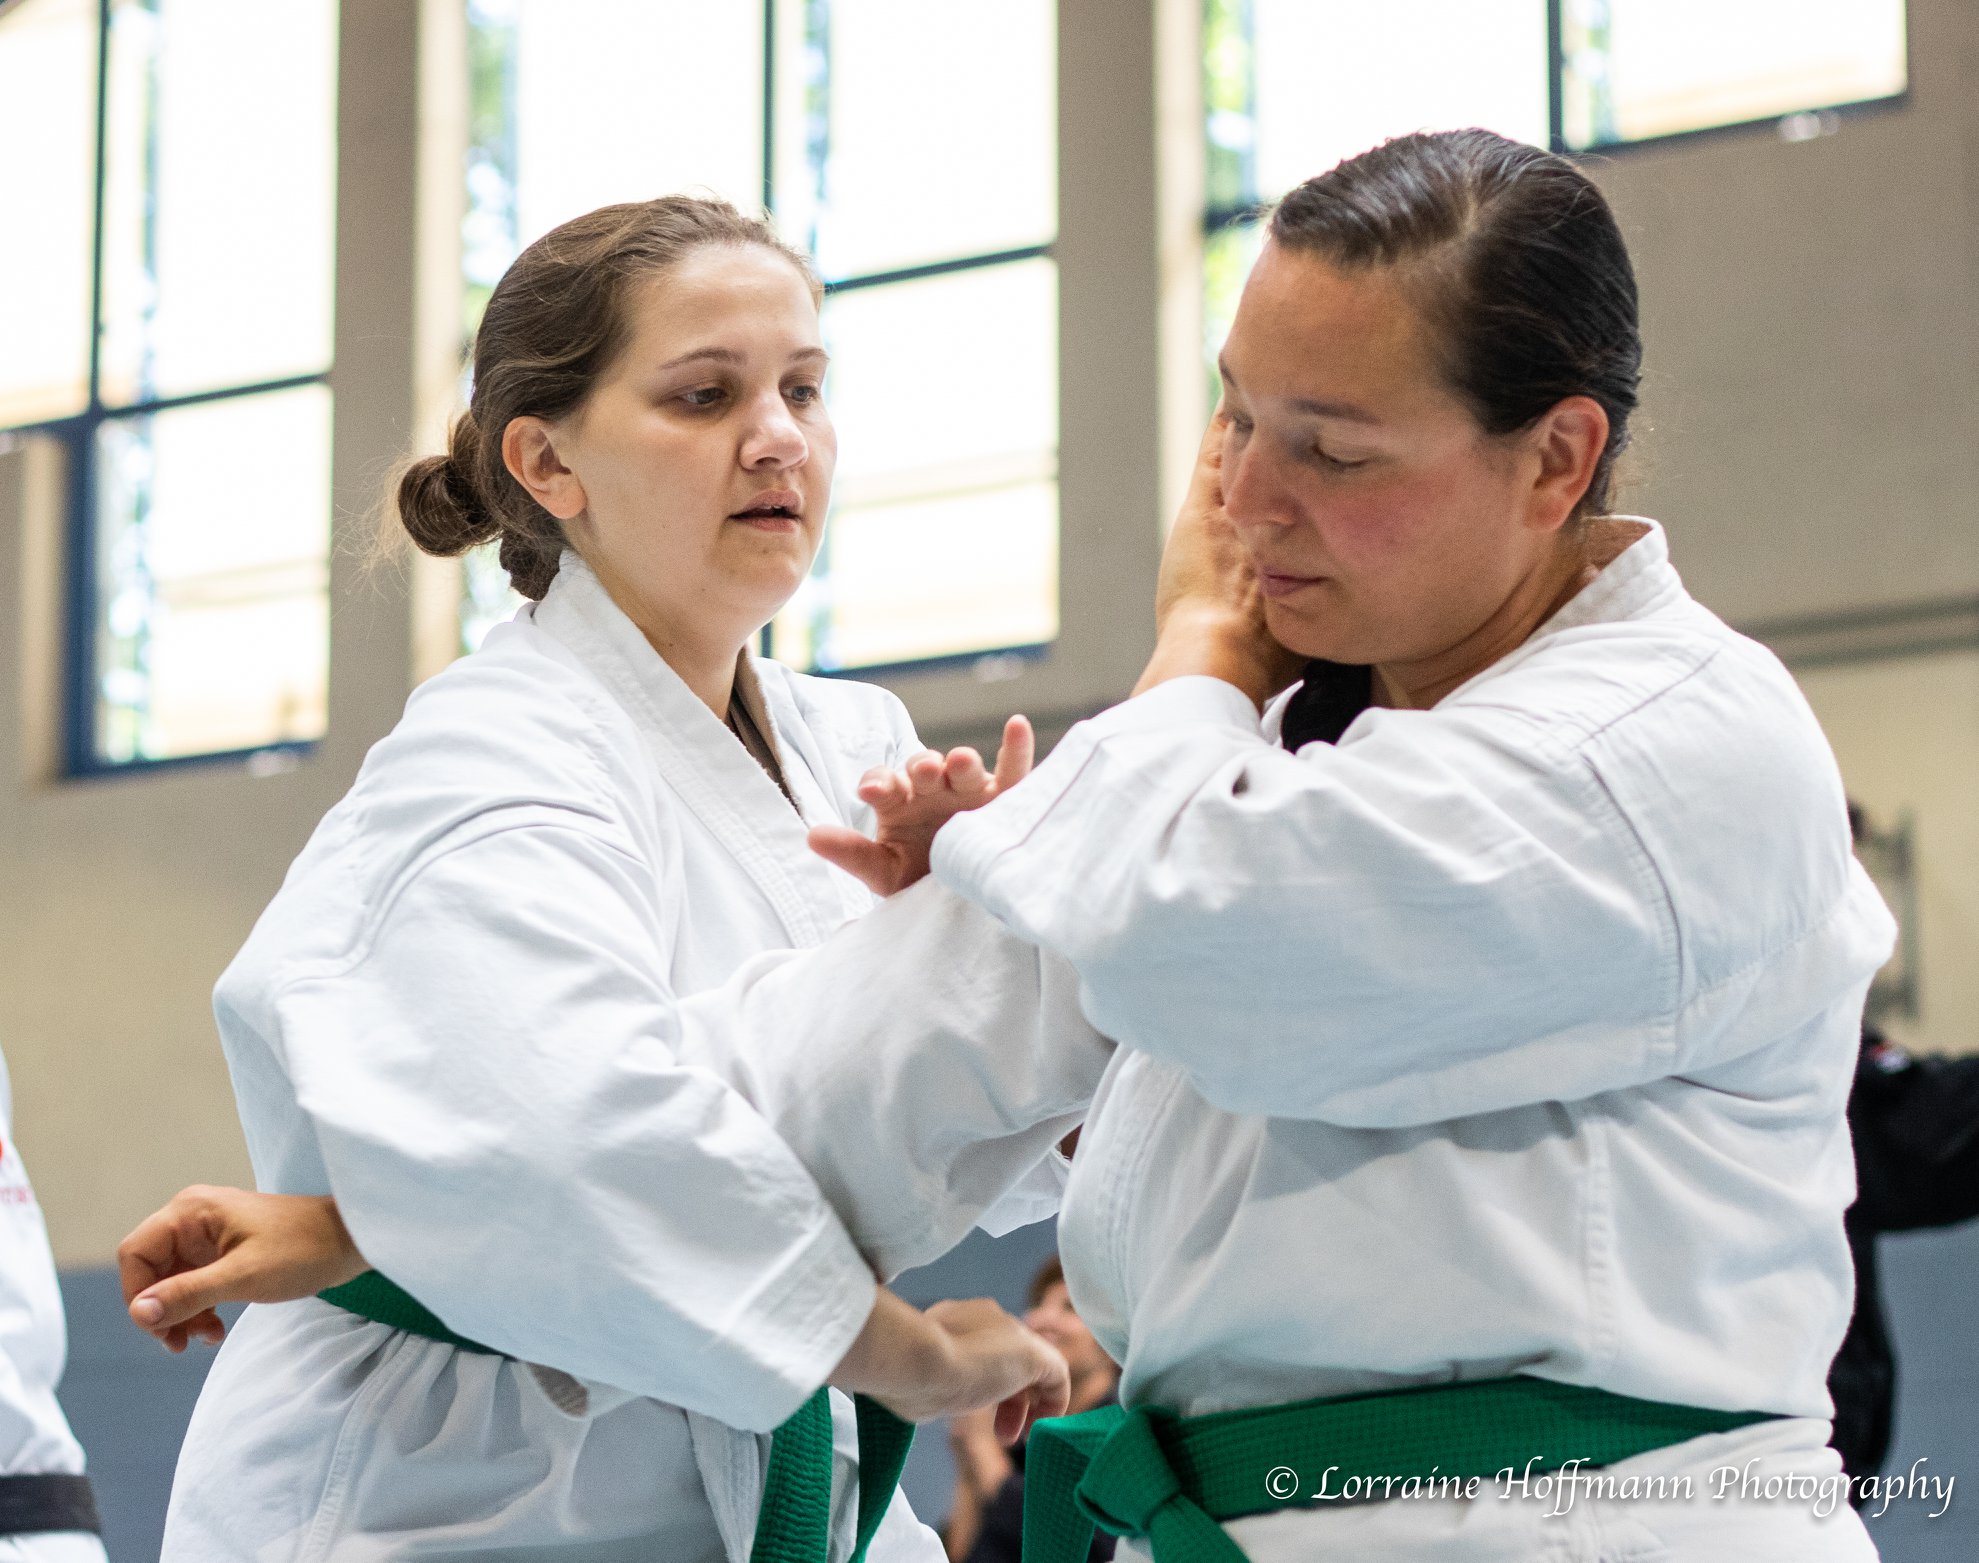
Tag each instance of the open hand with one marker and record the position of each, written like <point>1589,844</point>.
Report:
<point>215,1245</point>
<point>1209,609</point>
<point>915,803</point>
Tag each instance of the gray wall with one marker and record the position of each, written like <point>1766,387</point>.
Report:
<point>1809,440</point>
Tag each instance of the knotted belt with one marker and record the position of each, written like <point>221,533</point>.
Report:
<point>794,1523</point>
<point>1172,1479</point>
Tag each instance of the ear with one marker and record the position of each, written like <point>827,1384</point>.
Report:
<point>1568,441</point>
<point>529,452</point>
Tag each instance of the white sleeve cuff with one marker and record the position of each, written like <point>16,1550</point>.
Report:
<point>1193,700</point>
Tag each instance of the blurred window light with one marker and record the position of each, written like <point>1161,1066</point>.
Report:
<point>910,149</point>
<point>47,102</point>
<point>212,598</point>
<point>1292,87</point>
<point>174,324</point>
<point>1633,70</point>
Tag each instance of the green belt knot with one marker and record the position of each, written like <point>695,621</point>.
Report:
<point>1130,1488</point>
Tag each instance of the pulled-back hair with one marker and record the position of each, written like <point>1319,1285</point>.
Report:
<point>1515,260</point>
<point>553,326</point>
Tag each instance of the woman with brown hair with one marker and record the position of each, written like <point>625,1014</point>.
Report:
<point>458,1015</point>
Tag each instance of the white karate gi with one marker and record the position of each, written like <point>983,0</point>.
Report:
<point>34,1435</point>
<point>1512,1036</point>
<point>456,1016</point>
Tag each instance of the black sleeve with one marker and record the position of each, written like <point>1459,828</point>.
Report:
<point>1916,1127</point>
<point>1001,1540</point>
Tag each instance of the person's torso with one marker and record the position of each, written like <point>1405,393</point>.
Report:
<point>322,1435</point>
<point>1679,1241</point>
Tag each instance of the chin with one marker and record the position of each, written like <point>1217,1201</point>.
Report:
<point>1307,637</point>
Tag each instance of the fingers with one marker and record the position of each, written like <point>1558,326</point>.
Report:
<point>1210,456</point>
<point>925,771</point>
<point>966,777</point>
<point>870,862</point>
<point>883,789</point>
<point>1017,753</point>
<point>183,1298</point>
<point>1050,1394</point>
<point>181,1235</point>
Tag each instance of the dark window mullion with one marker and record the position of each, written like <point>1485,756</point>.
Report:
<point>879,279</point>
<point>1556,70</point>
<point>223,393</point>
<point>79,437</point>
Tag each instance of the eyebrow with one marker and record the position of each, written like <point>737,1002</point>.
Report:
<point>1345,411</point>
<point>723,355</point>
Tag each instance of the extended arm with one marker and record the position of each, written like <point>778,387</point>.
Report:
<point>1429,921</point>
<point>919,1063</point>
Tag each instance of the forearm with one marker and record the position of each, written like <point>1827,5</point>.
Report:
<point>965,1523</point>
<point>919,1063</point>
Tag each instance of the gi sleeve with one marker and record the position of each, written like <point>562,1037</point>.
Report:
<point>1427,922</point>
<point>493,1081</point>
<point>922,1063</point>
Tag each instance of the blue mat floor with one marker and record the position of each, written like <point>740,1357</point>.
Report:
<point>129,1401</point>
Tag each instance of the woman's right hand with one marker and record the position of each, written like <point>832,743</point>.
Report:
<point>217,1245</point>
<point>954,1358</point>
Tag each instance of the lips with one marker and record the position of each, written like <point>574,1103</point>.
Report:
<point>777,504</point>
<point>1274,584</point>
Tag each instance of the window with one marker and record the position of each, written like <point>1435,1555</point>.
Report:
<point>173,318</point>
<point>910,149</point>
<point>1633,70</point>
<point>1293,86</point>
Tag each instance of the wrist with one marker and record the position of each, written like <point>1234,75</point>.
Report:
<point>1206,640</point>
<point>900,1358</point>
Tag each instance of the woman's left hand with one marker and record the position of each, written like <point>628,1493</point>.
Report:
<point>915,803</point>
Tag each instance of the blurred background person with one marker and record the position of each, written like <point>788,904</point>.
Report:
<point>987,1523</point>
<point>1915,1121</point>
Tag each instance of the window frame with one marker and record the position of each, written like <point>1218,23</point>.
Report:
<point>1218,216</point>
<point>77,436</point>
<point>863,281</point>
<point>1556,101</point>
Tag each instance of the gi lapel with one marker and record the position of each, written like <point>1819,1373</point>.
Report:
<point>696,755</point>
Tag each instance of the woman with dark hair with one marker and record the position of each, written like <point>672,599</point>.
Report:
<point>1475,918</point>
<point>1468,1180</point>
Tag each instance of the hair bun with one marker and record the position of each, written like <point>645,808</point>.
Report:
<point>440,502</point>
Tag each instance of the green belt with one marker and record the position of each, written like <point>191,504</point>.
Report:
<point>1173,1479</point>
<point>794,1522</point>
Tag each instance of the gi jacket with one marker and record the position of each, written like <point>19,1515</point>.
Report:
<point>459,1016</point>
<point>1510,1036</point>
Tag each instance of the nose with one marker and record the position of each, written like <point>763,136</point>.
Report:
<point>1252,495</point>
<point>773,441</point>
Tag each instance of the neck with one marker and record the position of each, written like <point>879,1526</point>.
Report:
<point>706,666</point>
<point>1089,1389</point>
<point>1418,684</point>
<point>703,655</point>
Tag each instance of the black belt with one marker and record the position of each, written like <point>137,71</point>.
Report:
<point>37,1503</point>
